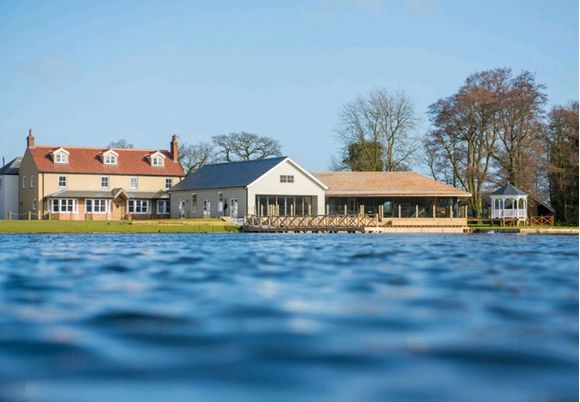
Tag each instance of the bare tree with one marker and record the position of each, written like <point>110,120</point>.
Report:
<point>460,146</point>
<point>120,144</point>
<point>194,156</point>
<point>561,138</point>
<point>520,153</point>
<point>375,132</point>
<point>244,146</point>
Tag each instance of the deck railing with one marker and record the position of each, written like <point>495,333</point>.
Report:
<point>328,222</point>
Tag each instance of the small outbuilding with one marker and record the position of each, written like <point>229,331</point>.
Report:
<point>9,189</point>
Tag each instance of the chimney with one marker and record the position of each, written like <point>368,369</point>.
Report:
<point>30,139</point>
<point>174,149</point>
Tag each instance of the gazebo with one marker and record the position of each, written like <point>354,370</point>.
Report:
<point>509,202</point>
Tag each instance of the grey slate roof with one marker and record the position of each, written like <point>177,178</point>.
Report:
<point>508,189</point>
<point>227,175</point>
<point>12,167</point>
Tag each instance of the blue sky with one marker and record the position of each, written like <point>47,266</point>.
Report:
<point>90,72</point>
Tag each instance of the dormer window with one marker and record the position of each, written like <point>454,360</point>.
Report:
<point>157,159</point>
<point>60,155</point>
<point>110,157</point>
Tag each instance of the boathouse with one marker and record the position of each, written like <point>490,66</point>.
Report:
<point>397,198</point>
<point>267,187</point>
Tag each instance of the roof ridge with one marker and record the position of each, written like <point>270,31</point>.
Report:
<point>248,161</point>
<point>100,148</point>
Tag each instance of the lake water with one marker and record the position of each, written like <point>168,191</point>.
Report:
<point>256,317</point>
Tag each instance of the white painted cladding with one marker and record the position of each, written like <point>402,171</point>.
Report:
<point>269,184</point>
<point>8,196</point>
<point>184,199</point>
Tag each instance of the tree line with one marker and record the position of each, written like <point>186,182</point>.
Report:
<point>493,130</point>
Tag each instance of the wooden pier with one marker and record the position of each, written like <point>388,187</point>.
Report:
<point>314,223</point>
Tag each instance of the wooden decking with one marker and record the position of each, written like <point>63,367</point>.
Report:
<point>314,223</point>
<point>343,223</point>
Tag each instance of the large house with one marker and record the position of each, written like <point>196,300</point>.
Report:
<point>77,183</point>
<point>273,186</point>
<point>9,189</point>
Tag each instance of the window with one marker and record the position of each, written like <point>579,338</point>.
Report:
<point>138,206</point>
<point>60,157</point>
<point>97,206</point>
<point>32,181</point>
<point>162,207</point>
<point>1,183</point>
<point>104,181</point>
<point>64,205</point>
<point>34,204</point>
<point>23,181</point>
<point>168,183</point>
<point>220,202</point>
<point>286,178</point>
<point>62,181</point>
<point>110,159</point>
<point>194,203</point>
<point>156,161</point>
<point>134,183</point>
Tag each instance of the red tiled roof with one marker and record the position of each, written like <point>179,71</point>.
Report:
<point>392,184</point>
<point>88,161</point>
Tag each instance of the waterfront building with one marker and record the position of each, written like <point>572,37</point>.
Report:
<point>96,183</point>
<point>398,198</point>
<point>273,186</point>
<point>9,189</point>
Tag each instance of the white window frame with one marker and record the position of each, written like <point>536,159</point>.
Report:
<point>193,203</point>
<point>136,186</point>
<point>286,178</point>
<point>65,181</point>
<point>165,210</point>
<point>23,181</point>
<point>60,157</point>
<point>32,181</point>
<point>102,203</point>
<point>110,158</point>
<point>220,201</point>
<point>168,183</point>
<point>137,206</point>
<point>157,161</point>
<point>62,205</point>
<point>107,179</point>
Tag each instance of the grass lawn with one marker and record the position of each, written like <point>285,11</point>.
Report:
<point>157,226</point>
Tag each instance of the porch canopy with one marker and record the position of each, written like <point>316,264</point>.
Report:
<point>390,194</point>
<point>509,202</point>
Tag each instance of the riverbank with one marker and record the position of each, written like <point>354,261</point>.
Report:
<point>157,226</point>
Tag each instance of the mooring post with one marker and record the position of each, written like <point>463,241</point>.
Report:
<point>9,215</point>
<point>29,215</point>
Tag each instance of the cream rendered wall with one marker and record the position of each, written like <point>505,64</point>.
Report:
<point>212,197</point>
<point>8,196</point>
<point>92,182</point>
<point>269,184</point>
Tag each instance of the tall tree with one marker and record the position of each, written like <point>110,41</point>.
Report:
<point>375,132</point>
<point>120,144</point>
<point>244,146</point>
<point>519,154</point>
<point>461,143</point>
<point>194,156</point>
<point>562,150</point>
